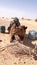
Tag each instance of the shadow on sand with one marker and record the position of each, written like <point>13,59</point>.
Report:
<point>28,42</point>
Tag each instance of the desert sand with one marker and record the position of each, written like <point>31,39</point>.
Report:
<point>13,53</point>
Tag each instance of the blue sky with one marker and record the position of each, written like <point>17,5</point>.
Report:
<point>18,8</point>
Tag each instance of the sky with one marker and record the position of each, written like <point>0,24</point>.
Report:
<point>18,8</point>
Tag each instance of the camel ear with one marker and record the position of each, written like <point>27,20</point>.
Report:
<point>25,27</point>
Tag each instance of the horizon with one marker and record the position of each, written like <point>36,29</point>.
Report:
<point>18,8</point>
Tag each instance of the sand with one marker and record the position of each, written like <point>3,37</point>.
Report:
<point>13,53</point>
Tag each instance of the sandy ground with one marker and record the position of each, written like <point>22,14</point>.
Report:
<point>13,53</point>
